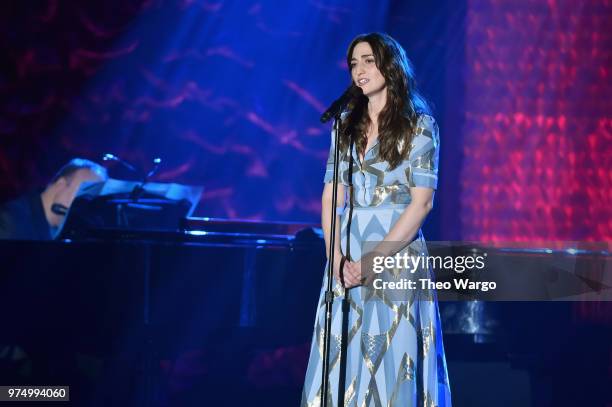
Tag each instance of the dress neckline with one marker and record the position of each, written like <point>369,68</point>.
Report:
<point>359,159</point>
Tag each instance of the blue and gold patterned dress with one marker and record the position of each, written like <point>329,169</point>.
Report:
<point>395,354</point>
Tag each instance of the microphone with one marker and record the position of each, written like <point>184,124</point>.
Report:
<point>157,161</point>
<point>138,190</point>
<point>339,104</point>
<point>112,157</point>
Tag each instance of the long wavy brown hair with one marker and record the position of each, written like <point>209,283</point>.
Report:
<point>398,119</point>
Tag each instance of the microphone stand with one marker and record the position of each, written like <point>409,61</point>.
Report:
<point>359,103</point>
<point>329,294</point>
<point>139,190</point>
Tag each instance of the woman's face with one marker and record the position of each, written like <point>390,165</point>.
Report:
<point>364,72</point>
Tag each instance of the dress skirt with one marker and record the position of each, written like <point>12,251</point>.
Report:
<point>395,355</point>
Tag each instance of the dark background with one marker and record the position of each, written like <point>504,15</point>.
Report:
<point>229,95</point>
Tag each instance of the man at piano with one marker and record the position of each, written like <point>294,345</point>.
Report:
<point>39,215</point>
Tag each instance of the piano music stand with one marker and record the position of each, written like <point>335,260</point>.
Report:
<point>128,206</point>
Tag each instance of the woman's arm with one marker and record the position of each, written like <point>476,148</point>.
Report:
<point>410,221</point>
<point>326,212</point>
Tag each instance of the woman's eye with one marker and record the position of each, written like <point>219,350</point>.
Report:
<point>353,66</point>
<point>370,61</point>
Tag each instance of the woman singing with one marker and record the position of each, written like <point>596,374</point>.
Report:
<point>394,350</point>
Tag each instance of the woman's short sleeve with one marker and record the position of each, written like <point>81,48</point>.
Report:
<point>424,154</point>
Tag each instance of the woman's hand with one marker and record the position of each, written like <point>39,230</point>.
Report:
<point>360,272</point>
<point>352,271</point>
<point>337,260</point>
<point>352,274</point>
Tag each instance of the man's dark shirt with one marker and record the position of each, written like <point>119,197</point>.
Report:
<point>24,219</point>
